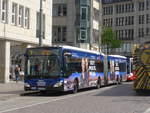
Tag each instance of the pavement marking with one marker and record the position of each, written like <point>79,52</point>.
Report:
<point>147,111</point>
<point>53,100</point>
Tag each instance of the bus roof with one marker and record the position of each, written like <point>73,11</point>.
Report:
<point>78,49</point>
<point>118,56</point>
<point>71,48</point>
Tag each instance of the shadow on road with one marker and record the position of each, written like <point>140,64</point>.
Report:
<point>118,90</point>
<point>53,94</point>
<point>122,90</point>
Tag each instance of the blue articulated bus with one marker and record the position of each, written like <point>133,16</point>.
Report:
<point>62,68</point>
<point>117,69</point>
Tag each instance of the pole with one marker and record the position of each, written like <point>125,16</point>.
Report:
<point>41,24</point>
<point>91,23</point>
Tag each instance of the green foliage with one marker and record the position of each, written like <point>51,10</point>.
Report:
<point>109,38</point>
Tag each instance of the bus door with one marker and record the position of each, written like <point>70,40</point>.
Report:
<point>72,69</point>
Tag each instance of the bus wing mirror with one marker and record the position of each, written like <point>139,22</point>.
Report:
<point>67,54</point>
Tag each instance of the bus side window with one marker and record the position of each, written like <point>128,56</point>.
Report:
<point>99,66</point>
<point>72,65</point>
<point>78,65</point>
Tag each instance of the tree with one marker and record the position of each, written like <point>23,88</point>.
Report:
<point>109,39</point>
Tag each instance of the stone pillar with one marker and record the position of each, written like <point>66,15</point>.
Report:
<point>4,61</point>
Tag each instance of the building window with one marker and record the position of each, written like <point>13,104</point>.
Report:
<point>83,34</point>
<point>108,10</point>
<point>26,18</point>
<point>20,16</point>
<point>59,33</point>
<point>141,6</point>
<point>129,7</point>
<point>123,8</point>
<point>141,32</point>
<point>117,8</point>
<point>59,10</point>
<point>38,25</point>
<point>148,4</point>
<point>129,20</point>
<point>131,34</point>
<point>148,31</point>
<point>147,18</point>
<point>108,22</point>
<point>14,14</point>
<point>4,10</point>
<point>64,10</point>
<point>141,19</point>
<point>64,34</point>
<point>120,21</point>
<point>83,13</point>
<point>127,34</point>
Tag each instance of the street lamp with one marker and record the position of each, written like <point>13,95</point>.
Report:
<point>41,24</point>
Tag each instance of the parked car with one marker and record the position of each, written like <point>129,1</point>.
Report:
<point>131,77</point>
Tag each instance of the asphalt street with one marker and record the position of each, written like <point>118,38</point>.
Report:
<point>112,99</point>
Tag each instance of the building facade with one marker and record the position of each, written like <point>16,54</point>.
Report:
<point>77,23</point>
<point>131,21</point>
<point>19,28</point>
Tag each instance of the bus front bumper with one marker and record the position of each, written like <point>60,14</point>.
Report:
<point>45,88</point>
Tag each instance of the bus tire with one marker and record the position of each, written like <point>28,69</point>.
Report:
<point>75,86</point>
<point>99,85</point>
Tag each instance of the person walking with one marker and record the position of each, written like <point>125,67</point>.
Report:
<point>17,71</point>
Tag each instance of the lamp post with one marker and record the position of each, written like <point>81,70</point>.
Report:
<point>41,24</point>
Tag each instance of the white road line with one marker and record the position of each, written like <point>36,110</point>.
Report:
<point>53,100</point>
<point>147,111</point>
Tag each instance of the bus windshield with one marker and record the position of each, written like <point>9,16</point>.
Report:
<point>43,64</point>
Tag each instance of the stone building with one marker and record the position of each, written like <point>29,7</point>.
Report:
<point>77,23</point>
<point>19,28</point>
<point>131,21</point>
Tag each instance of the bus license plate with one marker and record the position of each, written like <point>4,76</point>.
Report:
<point>41,83</point>
<point>41,88</point>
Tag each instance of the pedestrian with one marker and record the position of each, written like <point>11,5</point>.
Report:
<point>21,73</point>
<point>17,72</point>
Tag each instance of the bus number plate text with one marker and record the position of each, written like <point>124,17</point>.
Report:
<point>41,83</point>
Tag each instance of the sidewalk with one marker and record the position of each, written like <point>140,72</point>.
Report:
<point>11,89</point>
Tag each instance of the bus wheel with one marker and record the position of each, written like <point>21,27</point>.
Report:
<point>98,83</point>
<point>75,87</point>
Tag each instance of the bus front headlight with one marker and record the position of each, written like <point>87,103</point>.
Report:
<point>26,85</point>
<point>58,84</point>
